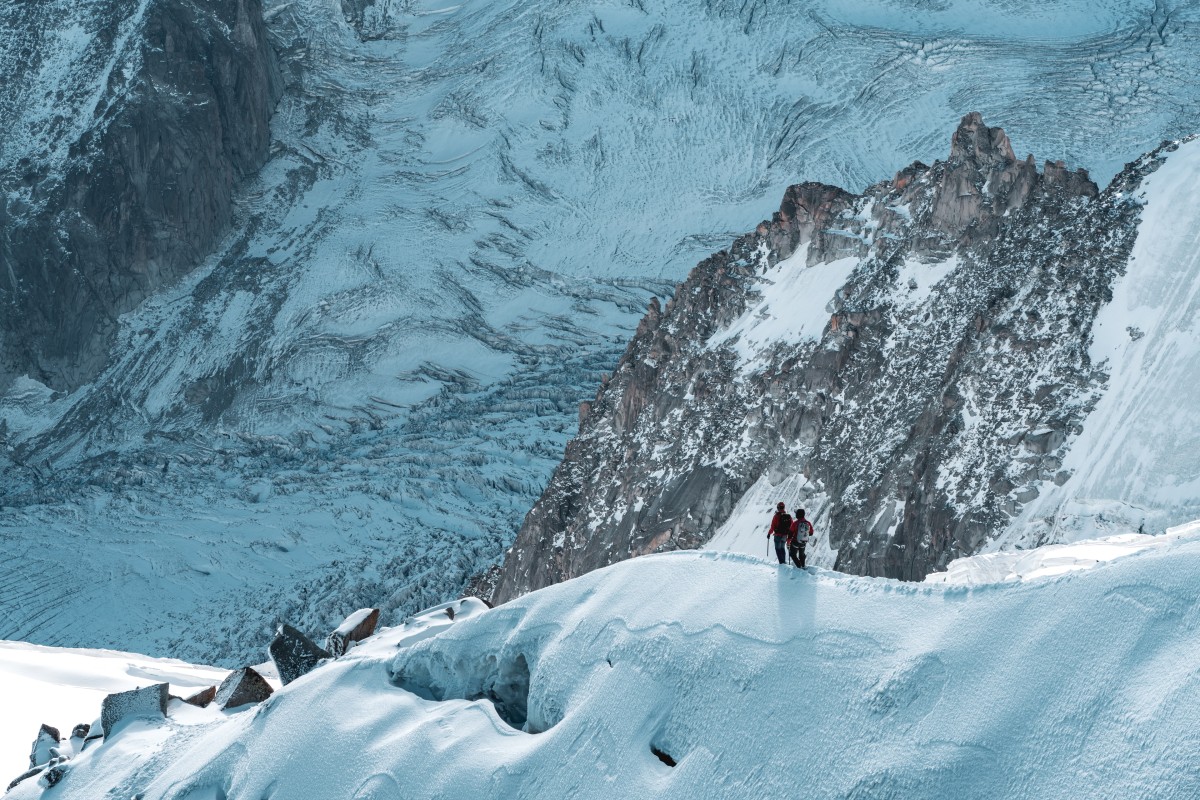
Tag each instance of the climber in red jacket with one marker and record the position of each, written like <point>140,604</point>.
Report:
<point>781,529</point>
<point>801,533</point>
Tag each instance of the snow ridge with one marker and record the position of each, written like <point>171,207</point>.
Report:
<point>875,688</point>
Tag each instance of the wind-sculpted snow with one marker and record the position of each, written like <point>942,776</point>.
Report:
<point>754,680</point>
<point>466,211</point>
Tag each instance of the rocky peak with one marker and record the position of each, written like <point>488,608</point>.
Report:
<point>852,381</point>
<point>976,144</point>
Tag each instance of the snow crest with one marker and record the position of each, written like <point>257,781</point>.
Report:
<point>712,662</point>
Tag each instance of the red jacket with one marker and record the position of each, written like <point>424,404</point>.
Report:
<point>780,524</point>
<point>795,532</point>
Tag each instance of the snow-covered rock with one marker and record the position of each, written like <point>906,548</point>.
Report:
<point>149,701</point>
<point>756,680</point>
<point>48,738</point>
<point>354,628</point>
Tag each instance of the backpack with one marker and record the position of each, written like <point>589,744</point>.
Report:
<point>801,528</point>
<point>783,524</point>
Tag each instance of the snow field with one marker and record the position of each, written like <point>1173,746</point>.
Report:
<point>757,680</point>
<point>64,687</point>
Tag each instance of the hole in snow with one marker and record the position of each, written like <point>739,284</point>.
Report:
<point>662,756</point>
<point>509,692</point>
<point>504,682</point>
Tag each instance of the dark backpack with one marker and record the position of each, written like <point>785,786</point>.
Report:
<point>783,524</point>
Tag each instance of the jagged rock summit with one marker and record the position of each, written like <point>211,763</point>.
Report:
<point>910,363</point>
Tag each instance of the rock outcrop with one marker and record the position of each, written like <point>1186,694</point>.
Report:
<point>241,687</point>
<point>46,740</point>
<point>294,653</point>
<point>147,702</point>
<point>131,185</point>
<point>929,391</point>
<point>202,698</point>
<point>354,628</point>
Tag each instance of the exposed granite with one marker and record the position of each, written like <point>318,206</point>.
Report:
<point>143,193</point>
<point>872,419</point>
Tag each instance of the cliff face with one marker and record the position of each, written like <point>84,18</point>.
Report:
<point>131,129</point>
<point>909,363</point>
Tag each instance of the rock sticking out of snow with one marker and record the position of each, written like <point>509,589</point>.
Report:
<point>23,776</point>
<point>294,653</point>
<point>201,698</point>
<point>241,687</point>
<point>354,628</point>
<point>54,772</point>
<point>47,738</point>
<point>148,702</point>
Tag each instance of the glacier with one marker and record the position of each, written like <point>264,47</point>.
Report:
<point>467,208</point>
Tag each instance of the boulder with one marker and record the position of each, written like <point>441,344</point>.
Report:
<point>354,628</point>
<point>242,686</point>
<point>54,772</point>
<point>148,702</point>
<point>95,732</point>
<point>294,653</point>
<point>202,698</point>
<point>81,730</point>
<point>47,739</point>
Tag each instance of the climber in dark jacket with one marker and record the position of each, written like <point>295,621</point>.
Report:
<point>781,529</point>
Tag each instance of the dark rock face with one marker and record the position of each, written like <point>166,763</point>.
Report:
<point>354,628</point>
<point>294,653</point>
<point>916,423</point>
<point>202,698</point>
<point>47,738</point>
<point>241,687</point>
<point>136,197</point>
<point>148,702</point>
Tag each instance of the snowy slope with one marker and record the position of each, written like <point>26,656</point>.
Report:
<point>64,687</point>
<point>1136,463</point>
<point>757,680</point>
<point>467,209</point>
